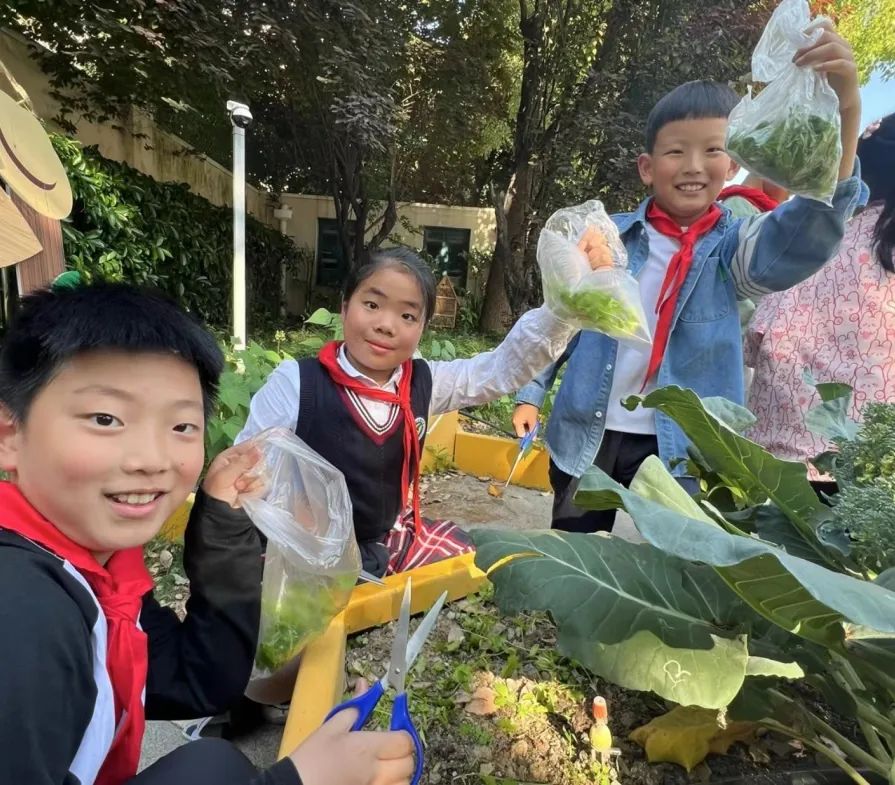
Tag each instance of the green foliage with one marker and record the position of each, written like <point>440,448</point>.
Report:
<point>602,311</point>
<point>869,26</point>
<point>798,151</point>
<point>298,613</point>
<point>737,592</point>
<point>244,374</point>
<point>127,226</point>
<point>864,468</point>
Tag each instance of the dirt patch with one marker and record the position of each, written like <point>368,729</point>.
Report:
<point>464,499</point>
<point>494,701</point>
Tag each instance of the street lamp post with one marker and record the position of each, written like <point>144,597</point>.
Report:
<point>240,119</point>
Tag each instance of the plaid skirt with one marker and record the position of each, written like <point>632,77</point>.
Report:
<point>436,540</point>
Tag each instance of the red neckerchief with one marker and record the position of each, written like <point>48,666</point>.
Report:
<point>759,199</point>
<point>675,275</point>
<point>329,359</point>
<point>119,588</point>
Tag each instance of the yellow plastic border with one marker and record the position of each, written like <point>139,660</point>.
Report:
<point>321,674</point>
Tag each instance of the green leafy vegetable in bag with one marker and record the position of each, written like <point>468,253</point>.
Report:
<point>800,153</point>
<point>602,311</point>
<point>296,616</point>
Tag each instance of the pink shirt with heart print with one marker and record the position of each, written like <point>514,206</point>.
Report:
<point>840,325</point>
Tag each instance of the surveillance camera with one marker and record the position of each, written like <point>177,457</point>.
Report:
<point>240,115</point>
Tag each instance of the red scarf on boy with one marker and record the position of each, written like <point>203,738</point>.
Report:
<point>119,588</point>
<point>759,199</point>
<point>676,273</point>
<point>410,475</point>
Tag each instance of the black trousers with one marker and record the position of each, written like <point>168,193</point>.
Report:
<point>620,456</point>
<point>202,762</point>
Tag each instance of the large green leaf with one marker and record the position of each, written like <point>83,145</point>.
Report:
<point>628,612</point>
<point>743,465</point>
<point>801,596</point>
<point>731,414</point>
<point>830,418</point>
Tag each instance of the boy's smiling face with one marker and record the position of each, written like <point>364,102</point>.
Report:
<point>110,447</point>
<point>687,167</point>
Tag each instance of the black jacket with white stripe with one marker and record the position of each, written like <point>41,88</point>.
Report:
<point>56,707</point>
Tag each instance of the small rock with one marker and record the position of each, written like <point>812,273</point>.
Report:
<point>166,559</point>
<point>178,596</point>
<point>484,478</point>
<point>482,703</point>
<point>482,754</point>
<point>455,634</point>
<point>434,777</point>
<point>702,773</point>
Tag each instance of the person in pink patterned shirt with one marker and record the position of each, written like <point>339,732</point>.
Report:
<point>839,324</point>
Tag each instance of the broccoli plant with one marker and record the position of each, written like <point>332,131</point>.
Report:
<point>863,466</point>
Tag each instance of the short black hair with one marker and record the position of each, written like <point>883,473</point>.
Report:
<point>403,258</point>
<point>52,326</point>
<point>696,100</point>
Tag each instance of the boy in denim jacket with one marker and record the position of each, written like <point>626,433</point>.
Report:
<point>694,261</point>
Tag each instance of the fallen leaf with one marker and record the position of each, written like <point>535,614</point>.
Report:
<point>482,703</point>
<point>686,734</point>
<point>495,491</point>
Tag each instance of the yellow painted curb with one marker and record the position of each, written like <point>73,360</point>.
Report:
<point>173,528</point>
<point>440,439</point>
<point>477,454</point>
<point>321,674</point>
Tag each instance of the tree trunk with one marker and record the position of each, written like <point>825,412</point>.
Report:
<point>496,313</point>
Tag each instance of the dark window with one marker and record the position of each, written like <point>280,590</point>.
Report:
<point>450,250</point>
<point>332,266</point>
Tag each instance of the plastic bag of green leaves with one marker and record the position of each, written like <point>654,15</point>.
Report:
<point>584,274</point>
<point>790,133</point>
<point>312,560</point>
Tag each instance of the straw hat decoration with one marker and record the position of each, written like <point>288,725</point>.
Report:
<point>30,168</point>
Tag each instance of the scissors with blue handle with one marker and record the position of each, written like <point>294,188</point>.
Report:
<point>525,445</point>
<point>404,654</point>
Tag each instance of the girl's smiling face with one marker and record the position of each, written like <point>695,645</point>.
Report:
<point>383,321</point>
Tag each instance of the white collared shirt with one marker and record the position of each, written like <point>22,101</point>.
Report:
<point>534,342</point>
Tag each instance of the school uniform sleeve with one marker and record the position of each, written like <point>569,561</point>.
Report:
<point>47,691</point>
<point>276,403</point>
<point>535,392</point>
<point>534,342</point>
<point>774,251</point>
<point>201,666</point>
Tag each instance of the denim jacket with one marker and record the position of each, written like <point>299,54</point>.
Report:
<point>738,259</point>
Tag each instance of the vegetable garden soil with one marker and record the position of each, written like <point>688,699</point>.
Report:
<point>496,705</point>
<point>491,697</point>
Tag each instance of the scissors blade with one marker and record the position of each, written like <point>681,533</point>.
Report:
<point>397,666</point>
<point>424,631</point>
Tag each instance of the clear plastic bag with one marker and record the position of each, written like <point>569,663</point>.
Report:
<point>790,133</point>
<point>312,561</point>
<point>606,299</point>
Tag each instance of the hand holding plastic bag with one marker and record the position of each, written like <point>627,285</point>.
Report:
<point>584,273</point>
<point>312,561</point>
<point>790,133</point>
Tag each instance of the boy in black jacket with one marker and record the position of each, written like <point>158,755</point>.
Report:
<point>104,395</point>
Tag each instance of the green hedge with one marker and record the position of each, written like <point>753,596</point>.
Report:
<point>125,225</point>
